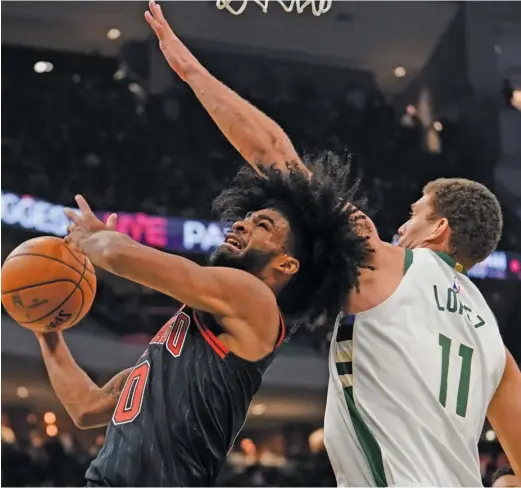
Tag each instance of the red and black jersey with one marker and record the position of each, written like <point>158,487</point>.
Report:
<point>180,410</point>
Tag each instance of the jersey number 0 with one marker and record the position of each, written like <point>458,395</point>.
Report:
<point>465,353</point>
<point>131,398</point>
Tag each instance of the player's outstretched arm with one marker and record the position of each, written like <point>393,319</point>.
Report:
<point>223,292</point>
<point>88,405</point>
<point>234,296</point>
<point>504,413</point>
<point>257,137</point>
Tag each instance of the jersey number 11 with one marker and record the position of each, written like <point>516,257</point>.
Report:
<point>465,354</point>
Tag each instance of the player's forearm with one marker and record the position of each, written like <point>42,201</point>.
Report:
<point>88,405</point>
<point>172,275</point>
<point>511,449</point>
<point>257,137</point>
<point>71,384</point>
<point>504,413</point>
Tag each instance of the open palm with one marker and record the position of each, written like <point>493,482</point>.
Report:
<point>176,53</point>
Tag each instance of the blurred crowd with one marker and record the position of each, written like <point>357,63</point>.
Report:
<point>91,126</point>
<point>266,459</point>
<point>294,458</point>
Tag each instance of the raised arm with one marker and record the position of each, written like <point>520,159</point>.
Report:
<point>504,413</point>
<point>257,137</point>
<point>88,405</point>
<point>241,302</point>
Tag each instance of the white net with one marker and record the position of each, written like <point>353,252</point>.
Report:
<point>318,7</point>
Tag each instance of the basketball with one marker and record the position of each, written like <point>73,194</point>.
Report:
<point>47,286</point>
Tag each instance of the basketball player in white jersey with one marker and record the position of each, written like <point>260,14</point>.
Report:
<point>416,360</point>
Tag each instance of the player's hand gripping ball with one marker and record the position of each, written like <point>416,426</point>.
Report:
<point>46,285</point>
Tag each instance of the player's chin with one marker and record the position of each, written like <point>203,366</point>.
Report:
<point>230,249</point>
<point>404,242</point>
<point>226,256</point>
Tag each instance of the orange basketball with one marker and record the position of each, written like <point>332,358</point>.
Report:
<point>46,286</point>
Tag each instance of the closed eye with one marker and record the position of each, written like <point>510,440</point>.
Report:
<point>264,225</point>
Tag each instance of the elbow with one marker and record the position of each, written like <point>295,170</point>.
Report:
<point>82,419</point>
<point>81,423</point>
<point>258,145</point>
<point>265,348</point>
<point>272,149</point>
<point>85,420</point>
<point>265,156</point>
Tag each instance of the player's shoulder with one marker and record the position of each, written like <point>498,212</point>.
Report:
<point>254,325</point>
<point>440,266</point>
<point>434,260</point>
<point>238,276</point>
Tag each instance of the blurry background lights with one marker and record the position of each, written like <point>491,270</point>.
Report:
<point>248,447</point>
<point>49,418</point>
<point>516,99</point>
<point>51,430</point>
<point>316,440</point>
<point>135,88</point>
<point>8,435</point>
<point>399,72</point>
<point>43,67</point>
<point>490,435</point>
<point>411,109</point>
<point>113,34</point>
<point>119,74</point>
<point>438,127</point>
<point>32,418</point>
<point>258,409</point>
<point>22,392</point>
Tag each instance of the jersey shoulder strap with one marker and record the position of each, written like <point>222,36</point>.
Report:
<point>409,258</point>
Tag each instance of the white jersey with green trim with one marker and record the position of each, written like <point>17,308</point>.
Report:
<point>411,380</point>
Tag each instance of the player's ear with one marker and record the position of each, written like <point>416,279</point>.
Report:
<point>287,265</point>
<point>440,232</point>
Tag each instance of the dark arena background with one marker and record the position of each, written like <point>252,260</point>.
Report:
<point>415,90</point>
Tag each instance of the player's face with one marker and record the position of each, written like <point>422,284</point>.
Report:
<point>258,241</point>
<point>423,227</point>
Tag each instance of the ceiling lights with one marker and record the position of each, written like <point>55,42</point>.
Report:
<point>113,34</point>
<point>399,72</point>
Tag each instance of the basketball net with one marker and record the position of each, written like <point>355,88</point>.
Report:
<point>318,7</point>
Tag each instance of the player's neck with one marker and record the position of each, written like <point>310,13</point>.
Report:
<point>437,247</point>
<point>274,282</point>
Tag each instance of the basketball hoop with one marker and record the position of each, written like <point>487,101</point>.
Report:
<point>318,7</point>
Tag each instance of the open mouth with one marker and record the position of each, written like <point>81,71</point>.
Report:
<point>234,243</point>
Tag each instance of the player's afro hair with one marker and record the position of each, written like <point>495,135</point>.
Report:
<point>324,235</point>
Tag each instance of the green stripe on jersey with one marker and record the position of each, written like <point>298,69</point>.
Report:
<point>370,446</point>
<point>409,257</point>
<point>452,262</point>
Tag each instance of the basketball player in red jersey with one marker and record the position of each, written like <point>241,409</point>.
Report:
<point>457,217</point>
<point>175,415</point>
